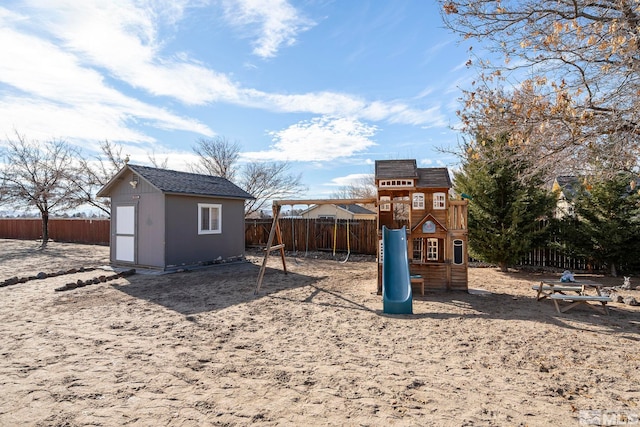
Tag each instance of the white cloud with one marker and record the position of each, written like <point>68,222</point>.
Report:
<point>45,120</point>
<point>67,56</point>
<point>340,104</point>
<point>53,94</point>
<point>425,92</point>
<point>431,117</point>
<point>320,139</point>
<point>97,32</point>
<point>354,178</point>
<point>274,23</point>
<point>176,160</point>
<point>325,103</point>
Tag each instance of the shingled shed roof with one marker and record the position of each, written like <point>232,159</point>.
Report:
<point>433,178</point>
<point>390,169</point>
<point>175,182</point>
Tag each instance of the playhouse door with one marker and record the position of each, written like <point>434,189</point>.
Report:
<point>125,237</point>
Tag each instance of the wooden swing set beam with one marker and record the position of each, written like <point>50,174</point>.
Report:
<point>325,202</point>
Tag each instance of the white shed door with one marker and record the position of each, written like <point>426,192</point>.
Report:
<point>125,233</point>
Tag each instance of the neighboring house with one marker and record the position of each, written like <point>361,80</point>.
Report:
<point>166,219</point>
<point>565,188</point>
<point>352,212</point>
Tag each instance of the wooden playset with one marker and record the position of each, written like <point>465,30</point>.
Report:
<point>436,225</point>
<point>417,198</point>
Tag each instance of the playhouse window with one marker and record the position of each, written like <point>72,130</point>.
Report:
<point>432,249</point>
<point>396,183</point>
<point>439,200</point>
<point>418,249</point>
<point>418,200</point>
<point>385,205</point>
<point>209,219</point>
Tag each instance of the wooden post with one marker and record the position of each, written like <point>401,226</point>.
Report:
<point>275,231</point>
<point>280,243</point>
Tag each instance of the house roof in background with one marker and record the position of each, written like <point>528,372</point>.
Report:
<point>354,209</point>
<point>568,184</point>
<point>176,182</point>
<point>357,209</point>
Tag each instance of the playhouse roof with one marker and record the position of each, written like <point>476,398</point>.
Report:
<point>426,177</point>
<point>433,178</point>
<point>390,169</point>
<point>176,182</point>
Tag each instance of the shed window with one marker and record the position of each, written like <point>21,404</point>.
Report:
<point>439,200</point>
<point>418,201</point>
<point>209,219</point>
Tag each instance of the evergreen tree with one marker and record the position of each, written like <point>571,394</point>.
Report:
<point>605,226</point>
<point>508,202</point>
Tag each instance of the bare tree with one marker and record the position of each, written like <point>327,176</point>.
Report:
<point>39,175</point>
<point>268,181</point>
<point>94,174</point>
<point>362,188</point>
<point>579,95</point>
<point>263,180</point>
<point>3,189</point>
<point>217,156</point>
<point>156,162</point>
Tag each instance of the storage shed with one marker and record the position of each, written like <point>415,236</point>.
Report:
<point>167,219</point>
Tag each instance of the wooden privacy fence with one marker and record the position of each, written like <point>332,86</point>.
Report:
<point>298,235</point>
<point>309,235</point>
<point>72,230</point>
<point>549,257</point>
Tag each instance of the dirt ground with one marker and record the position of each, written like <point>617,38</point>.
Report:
<point>312,348</point>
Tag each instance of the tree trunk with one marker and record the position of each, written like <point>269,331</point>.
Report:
<point>614,272</point>
<point>504,267</point>
<point>45,229</point>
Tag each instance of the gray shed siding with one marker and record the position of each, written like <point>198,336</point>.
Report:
<point>150,220</point>
<point>185,246</point>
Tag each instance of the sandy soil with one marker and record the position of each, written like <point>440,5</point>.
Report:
<point>198,349</point>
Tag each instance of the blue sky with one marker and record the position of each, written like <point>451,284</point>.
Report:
<point>329,86</point>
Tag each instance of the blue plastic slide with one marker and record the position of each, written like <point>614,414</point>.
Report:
<point>396,282</point>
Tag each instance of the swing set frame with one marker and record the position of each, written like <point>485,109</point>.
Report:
<point>274,242</point>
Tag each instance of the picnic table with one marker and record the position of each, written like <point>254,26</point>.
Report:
<point>576,293</point>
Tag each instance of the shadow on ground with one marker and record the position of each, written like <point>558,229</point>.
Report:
<point>210,289</point>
